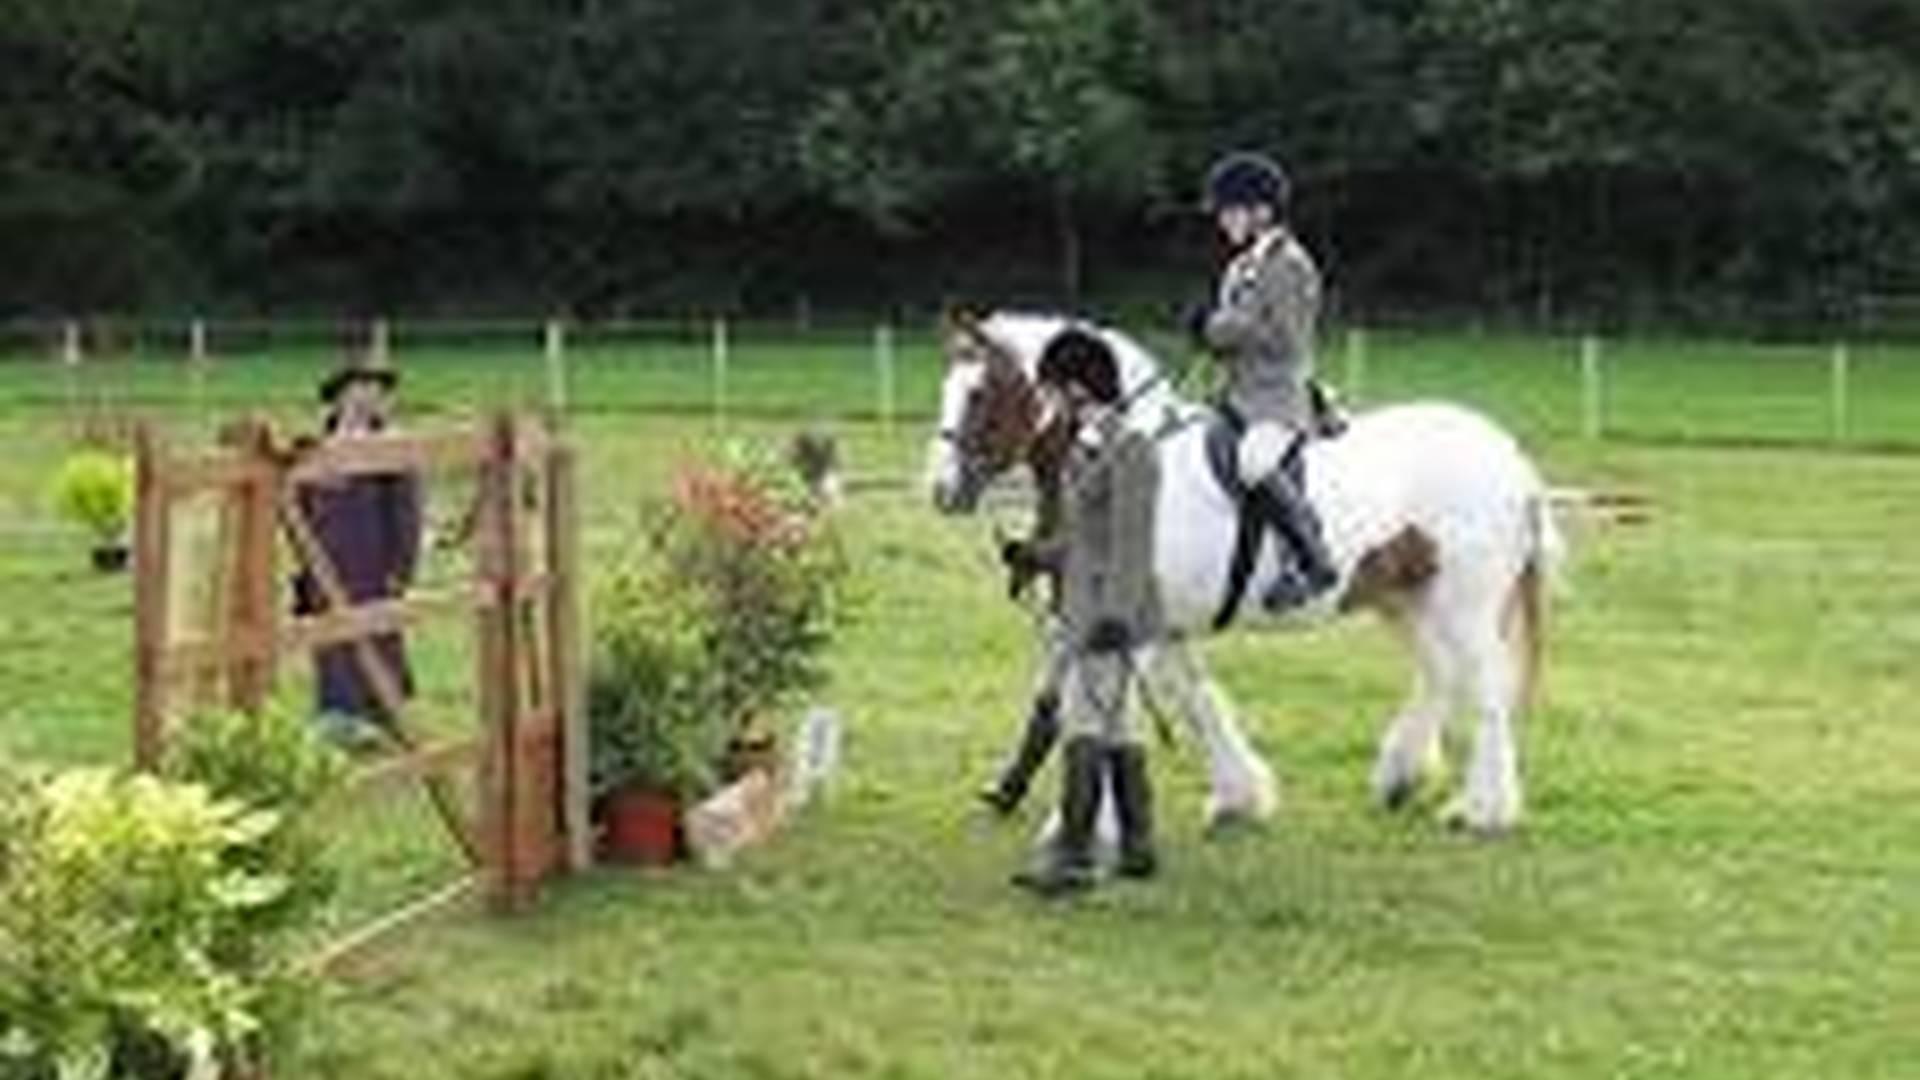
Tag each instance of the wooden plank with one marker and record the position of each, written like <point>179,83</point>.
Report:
<point>330,956</point>
<point>252,607</point>
<point>497,544</point>
<point>152,561</point>
<point>375,454</point>
<point>193,474</point>
<point>569,668</point>
<point>430,760</point>
<point>371,618</point>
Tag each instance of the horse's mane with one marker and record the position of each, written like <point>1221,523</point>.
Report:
<point>1026,334</point>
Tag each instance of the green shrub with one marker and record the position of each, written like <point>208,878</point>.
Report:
<point>154,926</point>
<point>118,896</point>
<point>94,490</point>
<point>269,760</point>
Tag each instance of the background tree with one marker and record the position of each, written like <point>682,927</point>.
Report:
<point>1546,159</point>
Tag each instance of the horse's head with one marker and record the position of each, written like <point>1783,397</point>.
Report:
<point>990,415</point>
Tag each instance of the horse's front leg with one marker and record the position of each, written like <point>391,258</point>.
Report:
<point>1242,786</point>
<point>1041,732</point>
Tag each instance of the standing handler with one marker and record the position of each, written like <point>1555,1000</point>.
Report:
<point>1109,608</point>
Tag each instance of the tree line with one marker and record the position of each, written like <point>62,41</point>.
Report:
<point>1542,158</point>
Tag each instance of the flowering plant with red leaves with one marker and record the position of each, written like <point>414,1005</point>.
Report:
<point>720,615</point>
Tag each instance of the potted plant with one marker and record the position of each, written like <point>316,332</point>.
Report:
<point>94,489</point>
<point>719,612</point>
<point>655,735</point>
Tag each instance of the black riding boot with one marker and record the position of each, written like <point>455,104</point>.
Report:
<point>1036,742</point>
<point>1133,799</point>
<point>1306,569</point>
<point>1066,866</point>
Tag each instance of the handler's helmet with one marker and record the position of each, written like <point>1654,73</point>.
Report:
<point>1077,355</point>
<point>1247,178</point>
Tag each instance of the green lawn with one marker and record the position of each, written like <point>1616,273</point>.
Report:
<point>1719,876</point>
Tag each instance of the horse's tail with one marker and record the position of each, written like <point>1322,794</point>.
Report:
<point>1527,606</point>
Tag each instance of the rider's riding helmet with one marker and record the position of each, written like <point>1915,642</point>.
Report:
<point>1077,355</point>
<point>1247,178</point>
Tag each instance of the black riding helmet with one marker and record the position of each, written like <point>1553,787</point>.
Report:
<point>1247,178</point>
<point>1078,355</point>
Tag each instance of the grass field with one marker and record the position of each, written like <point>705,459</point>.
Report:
<point>1720,875</point>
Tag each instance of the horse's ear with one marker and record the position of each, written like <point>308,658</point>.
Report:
<point>961,316</point>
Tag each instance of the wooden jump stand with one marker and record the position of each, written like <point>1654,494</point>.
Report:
<point>528,754</point>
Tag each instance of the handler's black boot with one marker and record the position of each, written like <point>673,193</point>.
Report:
<point>1306,566</point>
<point>1133,799</point>
<point>1036,742</point>
<point>1067,864</point>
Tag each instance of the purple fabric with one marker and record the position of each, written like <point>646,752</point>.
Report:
<point>370,529</point>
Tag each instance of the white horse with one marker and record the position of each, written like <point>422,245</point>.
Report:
<point>1434,516</point>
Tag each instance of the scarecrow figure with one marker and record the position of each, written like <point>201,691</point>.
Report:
<point>368,527</point>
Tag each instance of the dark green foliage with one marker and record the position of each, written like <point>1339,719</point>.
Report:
<point>1607,157</point>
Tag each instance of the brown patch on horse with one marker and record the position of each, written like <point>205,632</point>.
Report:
<point>1388,573</point>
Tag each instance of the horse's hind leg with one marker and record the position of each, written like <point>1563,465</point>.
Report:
<point>1491,799</point>
<point>1242,787</point>
<point>1410,750</point>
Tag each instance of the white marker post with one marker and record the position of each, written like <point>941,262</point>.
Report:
<point>1841,369</point>
<point>1356,380</point>
<point>197,366</point>
<point>197,342</point>
<point>70,368</point>
<point>70,349</point>
<point>720,362</point>
<point>380,348</point>
<point>1590,388</point>
<point>883,360</point>
<point>555,350</point>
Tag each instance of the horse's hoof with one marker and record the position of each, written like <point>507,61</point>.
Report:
<point>997,799</point>
<point>1227,823</point>
<point>1396,795</point>
<point>1459,817</point>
